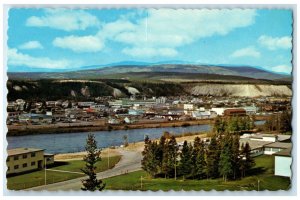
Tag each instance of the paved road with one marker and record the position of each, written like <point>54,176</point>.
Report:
<point>130,161</point>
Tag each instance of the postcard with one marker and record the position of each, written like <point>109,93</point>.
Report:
<point>144,99</point>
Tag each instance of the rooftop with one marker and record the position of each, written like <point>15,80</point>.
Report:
<point>282,145</point>
<point>285,152</point>
<point>254,144</point>
<point>17,151</point>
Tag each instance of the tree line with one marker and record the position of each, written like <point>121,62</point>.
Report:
<point>222,156</point>
<point>235,124</point>
<point>281,122</point>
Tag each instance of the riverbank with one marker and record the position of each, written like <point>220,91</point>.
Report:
<point>136,147</point>
<point>14,130</point>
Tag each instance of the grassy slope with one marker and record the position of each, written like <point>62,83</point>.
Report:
<point>38,177</point>
<point>262,171</point>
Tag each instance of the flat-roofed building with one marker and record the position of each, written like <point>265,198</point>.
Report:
<point>21,160</point>
<point>276,147</point>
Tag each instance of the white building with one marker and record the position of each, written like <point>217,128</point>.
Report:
<point>219,111</point>
<point>188,106</point>
<point>283,162</point>
<point>250,110</point>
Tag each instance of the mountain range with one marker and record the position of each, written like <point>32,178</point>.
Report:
<point>157,71</point>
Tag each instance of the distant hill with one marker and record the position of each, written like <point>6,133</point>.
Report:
<point>158,72</point>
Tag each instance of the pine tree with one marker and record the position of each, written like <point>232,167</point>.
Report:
<point>170,157</point>
<point>198,158</point>
<point>212,158</point>
<point>92,157</point>
<point>285,122</point>
<point>235,155</point>
<point>150,161</point>
<point>225,163</point>
<point>247,161</point>
<point>160,152</point>
<point>185,165</point>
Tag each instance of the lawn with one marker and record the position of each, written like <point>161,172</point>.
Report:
<point>263,171</point>
<point>37,178</point>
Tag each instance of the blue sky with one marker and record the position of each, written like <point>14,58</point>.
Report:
<point>65,39</point>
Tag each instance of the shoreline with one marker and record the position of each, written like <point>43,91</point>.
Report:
<point>136,146</point>
<point>52,129</point>
<point>14,130</point>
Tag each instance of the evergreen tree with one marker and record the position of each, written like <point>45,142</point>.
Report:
<point>198,158</point>
<point>247,162</point>
<point>235,155</point>
<point>92,157</point>
<point>160,152</point>
<point>150,161</point>
<point>170,157</point>
<point>186,162</point>
<point>212,158</point>
<point>285,122</point>
<point>225,163</point>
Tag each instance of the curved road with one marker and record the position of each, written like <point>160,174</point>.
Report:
<point>130,161</point>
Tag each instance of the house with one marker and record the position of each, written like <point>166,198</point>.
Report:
<point>275,147</point>
<point>113,121</point>
<point>257,146</point>
<point>32,117</point>
<point>235,112</point>
<point>22,160</point>
<point>188,106</point>
<point>250,110</point>
<point>282,163</point>
<point>201,114</point>
<point>135,112</point>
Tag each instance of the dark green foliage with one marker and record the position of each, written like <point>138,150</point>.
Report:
<point>186,162</point>
<point>233,124</point>
<point>161,151</point>
<point>92,157</point>
<point>212,158</point>
<point>198,159</point>
<point>53,90</point>
<point>225,163</point>
<point>247,162</point>
<point>286,122</point>
<point>235,155</point>
<point>281,122</point>
<point>170,157</point>
<point>150,162</point>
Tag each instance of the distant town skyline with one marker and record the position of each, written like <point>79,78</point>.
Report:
<point>56,39</point>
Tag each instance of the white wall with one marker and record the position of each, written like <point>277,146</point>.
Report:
<point>283,166</point>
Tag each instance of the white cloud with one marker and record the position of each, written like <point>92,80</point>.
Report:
<point>167,29</point>
<point>150,52</point>
<point>274,43</point>
<point>64,19</point>
<point>246,52</point>
<point>31,45</point>
<point>79,43</point>
<point>16,58</point>
<point>282,69</point>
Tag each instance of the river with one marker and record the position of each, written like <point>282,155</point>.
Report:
<point>74,142</point>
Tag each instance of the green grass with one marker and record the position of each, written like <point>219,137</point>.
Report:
<point>37,178</point>
<point>263,171</point>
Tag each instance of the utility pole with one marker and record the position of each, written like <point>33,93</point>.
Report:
<point>108,158</point>
<point>141,182</point>
<point>45,171</point>
<point>175,170</point>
